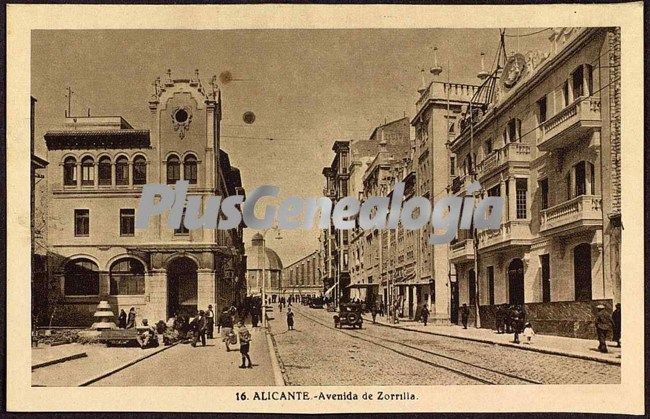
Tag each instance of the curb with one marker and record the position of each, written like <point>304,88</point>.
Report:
<point>273,351</point>
<point>511,345</point>
<point>59,360</point>
<point>128,364</point>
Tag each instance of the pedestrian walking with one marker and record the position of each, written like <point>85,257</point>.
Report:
<point>375,309</point>
<point>518,319</point>
<point>289,319</point>
<point>121,320</point>
<point>226,324</point>
<point>130,322</point>
<point>498,318</point>
<point>464,315</point>
<point>425,313</point>
<point>199,326</point>
<point>616,320</point>
<point>244,345</point>
<point>254,316</point>
<point>528,332</point>
<point>209,315</point>
<point>382,309</point>
<point>603,326</point>
<point>280,306</point>
<point>507,318</point>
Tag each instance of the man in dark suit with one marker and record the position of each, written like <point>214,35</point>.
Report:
<point>603,327</point>
<point>199,327</point>
<point>464,315</point>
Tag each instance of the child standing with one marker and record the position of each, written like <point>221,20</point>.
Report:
<point>528,332</point>
<point>244,345</point>
<point>289,319</point>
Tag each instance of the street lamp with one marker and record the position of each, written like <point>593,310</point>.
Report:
<point>265,323</point>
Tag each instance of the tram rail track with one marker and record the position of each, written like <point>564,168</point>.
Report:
<point>478,373</point>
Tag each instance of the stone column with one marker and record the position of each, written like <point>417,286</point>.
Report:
<point>502,193</point>
<point>155,285</point>
<point>104,284</point>
<point>205,289</point>
<point>407,300</point>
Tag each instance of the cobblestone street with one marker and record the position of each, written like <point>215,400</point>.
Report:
<point>317,354</point>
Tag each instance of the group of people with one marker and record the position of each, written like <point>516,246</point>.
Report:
<point>125,321</point>
<point>284,302</point>
<point>200,328</point>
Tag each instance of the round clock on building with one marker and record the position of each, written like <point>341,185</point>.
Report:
<point>181,118</point>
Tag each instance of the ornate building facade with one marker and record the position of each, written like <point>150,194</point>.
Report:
<point>100,165</point>
<point>549,143</point>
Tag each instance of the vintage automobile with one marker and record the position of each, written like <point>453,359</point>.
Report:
<point>316,302</point>
<point>349,315</point>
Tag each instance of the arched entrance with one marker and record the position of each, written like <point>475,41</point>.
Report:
<point>181,287</point>
<point>516,282</point>
<point>582,271</point>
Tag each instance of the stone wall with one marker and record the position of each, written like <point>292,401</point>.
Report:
<point>562,318</point>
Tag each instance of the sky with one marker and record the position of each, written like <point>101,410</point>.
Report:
<point>307,89</point>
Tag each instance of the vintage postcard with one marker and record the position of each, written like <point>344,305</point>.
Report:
<point>325,208</point>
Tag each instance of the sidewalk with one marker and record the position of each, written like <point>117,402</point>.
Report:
<point>96,361</point>
<point>45,355</point>
<point>211,365</point>
<point>573,347</point>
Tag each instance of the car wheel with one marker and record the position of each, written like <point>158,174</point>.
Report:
<point>360,325</point>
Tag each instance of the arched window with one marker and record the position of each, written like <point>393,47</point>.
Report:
<point>139,170</point>
<point>70,171</point>
<point>190,169</point>
<point>127,277</point>
<point>87,171</point>
<point>105,171</point>
<point>122,171</point>
<point>173,169</point>
<point>81,277</point>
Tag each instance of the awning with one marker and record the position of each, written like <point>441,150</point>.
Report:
<point>329,291</point>
<point>362,285</point>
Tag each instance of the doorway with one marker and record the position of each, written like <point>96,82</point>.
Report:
<point>516,282</point>
<point>582,271</point>
<point>182,292</point>
<point>454,302</point>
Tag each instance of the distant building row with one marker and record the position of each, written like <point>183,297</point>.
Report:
<point>544,133</point>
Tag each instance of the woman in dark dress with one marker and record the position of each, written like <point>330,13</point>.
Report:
<point>121,320</point>
<point>130,322</point>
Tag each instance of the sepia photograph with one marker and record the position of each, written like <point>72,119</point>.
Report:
<point>297,214</point>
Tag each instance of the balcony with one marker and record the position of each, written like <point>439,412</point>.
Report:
<point>511,234</point>
<point>513,154</point>
<point>581,212</point>
<point>461,251</point>
<point>572,122</point>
